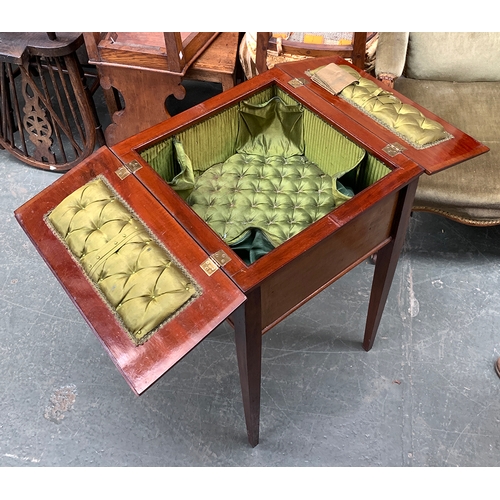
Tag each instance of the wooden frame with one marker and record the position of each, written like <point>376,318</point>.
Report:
<point>47,116</point>
<point>168,52</point>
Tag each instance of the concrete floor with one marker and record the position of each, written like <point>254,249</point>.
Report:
<point>425,395</point>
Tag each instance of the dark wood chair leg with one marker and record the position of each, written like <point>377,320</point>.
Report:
<point>385,264</point>
<point>248,335</point>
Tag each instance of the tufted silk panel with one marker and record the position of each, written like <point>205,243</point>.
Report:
<point>269,186</point>
<point>383,106</point>
<point>279,196</point>
<point>137,277</point>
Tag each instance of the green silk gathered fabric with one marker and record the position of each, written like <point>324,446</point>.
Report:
<point>137,277</point>
<point>270,129</point>
<point>402,119</point>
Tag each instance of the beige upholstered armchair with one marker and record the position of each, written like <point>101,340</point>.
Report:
<point>456,76</point>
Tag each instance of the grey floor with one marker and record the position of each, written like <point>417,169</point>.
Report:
<point>425,395</point>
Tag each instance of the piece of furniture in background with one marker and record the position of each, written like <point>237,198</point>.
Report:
<point>138,71</point>
<point>456,76</point>
<point>263,50</point>
<point>47,115</point>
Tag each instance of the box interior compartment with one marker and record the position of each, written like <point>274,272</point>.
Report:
<point>263,170</point>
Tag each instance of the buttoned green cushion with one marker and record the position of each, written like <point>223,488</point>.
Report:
<point>276,195</point>
<point>136,276</point>
<point>402,119</point>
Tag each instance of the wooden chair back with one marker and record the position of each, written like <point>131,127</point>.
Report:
<point>354,51</point>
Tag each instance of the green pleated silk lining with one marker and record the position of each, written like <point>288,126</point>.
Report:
<point>262,171</point>
<point>135,275</point>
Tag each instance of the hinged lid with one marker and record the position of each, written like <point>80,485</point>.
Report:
<point>130,268</point>
<point>457,147</point>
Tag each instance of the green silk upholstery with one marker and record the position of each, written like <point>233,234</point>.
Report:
<point>136,276</point>
<point>402,119</point>
<point>268,186</point>
<point>280,196</point>
<point>270,129</point>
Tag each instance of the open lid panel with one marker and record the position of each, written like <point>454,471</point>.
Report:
<point>156,252</point>
<point>433,158</point>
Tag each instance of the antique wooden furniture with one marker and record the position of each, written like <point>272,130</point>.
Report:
<point>456,76</point>
<point>138,187</point>
<point>48,118</point>
<point>138,71</point>
<point>262,50</point>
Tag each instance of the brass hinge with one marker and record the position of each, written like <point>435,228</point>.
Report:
<point>297,82</point>
<point>214,262</point>
<point>128,168</point>
<point>393,149</point>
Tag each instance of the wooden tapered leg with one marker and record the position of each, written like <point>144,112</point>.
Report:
<point>386,262</point>
<point>248,334</point>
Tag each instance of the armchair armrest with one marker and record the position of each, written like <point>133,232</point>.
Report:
<point>391,56</point>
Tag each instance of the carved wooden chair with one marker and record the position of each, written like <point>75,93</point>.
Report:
<point>457,77</point>
<point>47,115</point>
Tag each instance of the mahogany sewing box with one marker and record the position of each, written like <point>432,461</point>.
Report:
<point>137,237</point>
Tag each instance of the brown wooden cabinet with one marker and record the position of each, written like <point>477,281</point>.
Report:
<point>139,70</point>
<point>253,297</point>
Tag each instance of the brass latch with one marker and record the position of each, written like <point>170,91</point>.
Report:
<point>128,168</point>
<point>214,262</point>
<point>393,149</point>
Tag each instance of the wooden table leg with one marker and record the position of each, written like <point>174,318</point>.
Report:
<point>248,335</point>
<point>386,262</point>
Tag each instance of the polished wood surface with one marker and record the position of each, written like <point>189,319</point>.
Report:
<point>372,222</point>
<point>248,337</point>
<point>140,365</point>
<point>432,159</point>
